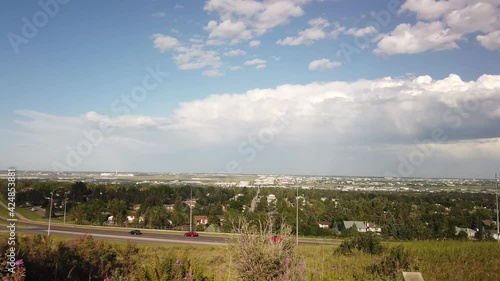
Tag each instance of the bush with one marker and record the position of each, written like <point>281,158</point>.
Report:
<point>256,256</point>
<point>369,243</point>
<point>393,263</point>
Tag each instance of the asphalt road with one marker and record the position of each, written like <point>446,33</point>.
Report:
<point>110,234</point>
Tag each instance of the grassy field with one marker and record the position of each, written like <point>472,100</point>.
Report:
<point>437,260</point>
<point>448,260</point>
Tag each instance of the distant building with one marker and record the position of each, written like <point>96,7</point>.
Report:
<point>373,227</point>
<point>470,232</point>
<point>359,226</point>
<point>324,224</point>
<point>201,220</point>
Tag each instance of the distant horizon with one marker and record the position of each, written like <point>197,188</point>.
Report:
<point>248,174</point>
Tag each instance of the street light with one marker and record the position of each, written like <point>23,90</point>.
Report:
<point>190,211</point>
<point>50,209</point>
<point>498,225</point>
<point>65,202</point>
<point>297,221</point>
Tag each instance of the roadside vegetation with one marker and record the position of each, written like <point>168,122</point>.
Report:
<point>88,259</point>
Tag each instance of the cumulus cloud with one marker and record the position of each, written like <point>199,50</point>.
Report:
<point>441,25</point>
<point>360,32</point>
<point>408,39</point>
<point>235,53</point>
<point>250,18</point>
<point>490,41</point>
<point>165,42</point>
<point>227,31</point>
<point>254,43</point>
<point>258,63</point>
<point>308,36</point>
<point>323,64</point>
<point>366,119</point>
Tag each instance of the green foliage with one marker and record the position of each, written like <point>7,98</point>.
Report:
<point>369,243</point>
<point>398,259</point>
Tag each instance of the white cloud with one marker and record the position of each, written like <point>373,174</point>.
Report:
<point>339,29</point>
<point>442,24</point>
<point>490,41</point>
<point>308,36</point>
<point>360,32</point>
<point>165,42</point>
<point>213,72</point>
<point>255,17</point>
<point>323,64</point>
<point>235,68</point>
<point>195,57</point>
<point>407,39</point>
<point>369,119</point>
<point>159,14</point>
<point>258,63</point>
<point>235,53</point>
<point>232,32</point>
<point>254,43</point>
<point>196,39</point>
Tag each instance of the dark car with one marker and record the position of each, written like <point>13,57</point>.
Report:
<point>191,234</point>
<point>135,232</point>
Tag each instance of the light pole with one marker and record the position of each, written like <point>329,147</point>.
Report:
<point>65,202</point>
<point>50,209</point>
<point>191,211</point>
<point>297,218</point>
<point>498,225</point>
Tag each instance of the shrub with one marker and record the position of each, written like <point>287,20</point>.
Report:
<point>397,260</point>
<point>369,243</point>
<point>256,256</point>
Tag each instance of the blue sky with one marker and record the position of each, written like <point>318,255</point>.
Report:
<point>360,85</point>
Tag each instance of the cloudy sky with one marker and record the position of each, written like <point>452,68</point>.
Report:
<point>332,87</point>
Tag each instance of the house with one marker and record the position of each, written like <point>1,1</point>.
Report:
<point>271,198</point>
<point>373,227</point>
<point>169,207</point>
<point>493,234</point>
<point>221,218</point>
<point>130,218</point>
<point>201,220</point>
<point>489,223</point>
<point>470,232</point>
<point>359,226</point>
<point>136,207</point>
<point>324,224</point>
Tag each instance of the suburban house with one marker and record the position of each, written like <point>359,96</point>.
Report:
<point>359,226</point>
<point>494,234</point>
<point>136,207</point>
<point>324,224</point>
<point>470,232</point>
<point>201,220</point>
<point>373,227</point>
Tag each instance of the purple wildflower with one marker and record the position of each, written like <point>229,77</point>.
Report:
<point>178,262</point>
<point>302,264</point>
<point>19,263</point>
<point>287,261</point>
<point>106,278</point>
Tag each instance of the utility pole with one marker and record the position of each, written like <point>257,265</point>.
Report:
<point>191,211</point>
<point>65,202</point>
<point>297,219</point>
<point>50,209</point>
<point>498,225</point>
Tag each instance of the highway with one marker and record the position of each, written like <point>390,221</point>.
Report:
<point>111,234</point>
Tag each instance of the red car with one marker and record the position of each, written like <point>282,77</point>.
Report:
<point>191,234</point>
<point>276,238</point>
